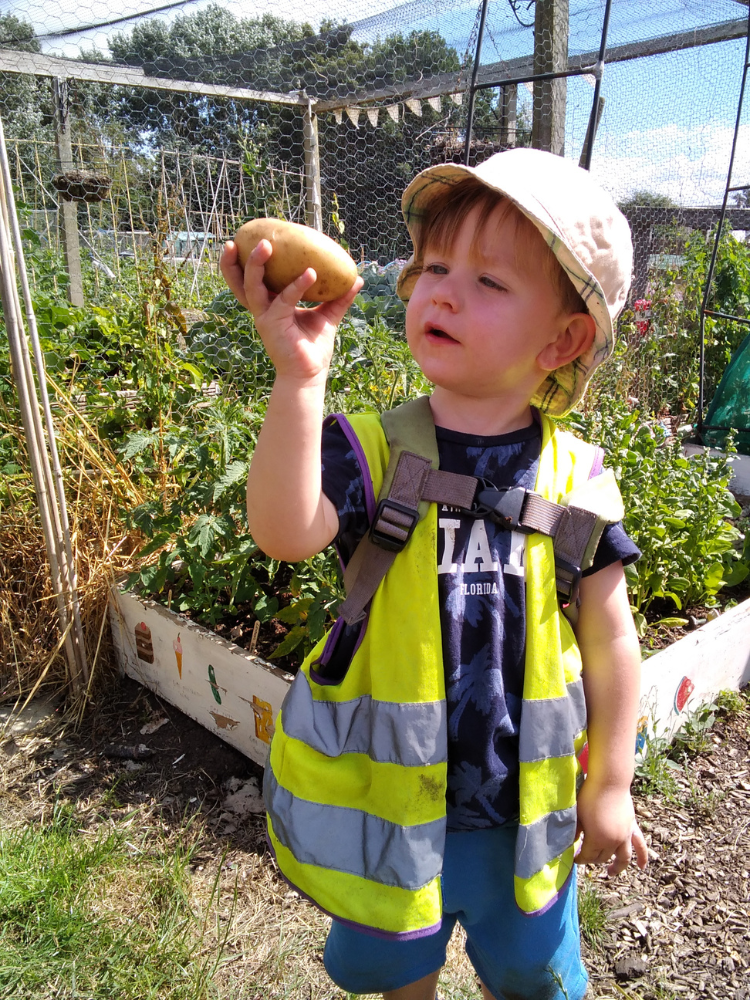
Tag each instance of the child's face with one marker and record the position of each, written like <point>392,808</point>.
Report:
<point>483,310</point>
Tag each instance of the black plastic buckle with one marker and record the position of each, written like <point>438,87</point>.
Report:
<point>569,589</point>
<point>383,538</point>
<point>501,505</point>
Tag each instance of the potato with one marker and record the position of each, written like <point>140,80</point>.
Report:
<point>296,248</point>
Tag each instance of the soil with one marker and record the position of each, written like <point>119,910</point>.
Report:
<point>679,929</point>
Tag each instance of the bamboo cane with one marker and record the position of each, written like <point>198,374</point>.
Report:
<point>49,487</point>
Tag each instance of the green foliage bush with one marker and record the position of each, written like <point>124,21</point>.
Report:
<point>677,510</point>
<point>659,369</point>
<point>139,374</point>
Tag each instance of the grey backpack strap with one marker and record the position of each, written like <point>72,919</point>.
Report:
<point>410,430</point>
<point>412,481</point>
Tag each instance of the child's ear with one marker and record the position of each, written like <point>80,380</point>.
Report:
<point>573,339</point>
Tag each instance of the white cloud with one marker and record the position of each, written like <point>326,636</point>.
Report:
<point>688,164</point>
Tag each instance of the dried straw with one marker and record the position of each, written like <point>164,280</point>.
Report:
<point>98,488</point>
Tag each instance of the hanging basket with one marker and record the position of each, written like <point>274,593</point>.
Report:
<point>82,185</point>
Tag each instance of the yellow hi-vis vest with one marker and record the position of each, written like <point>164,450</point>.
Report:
<point>356,780</point>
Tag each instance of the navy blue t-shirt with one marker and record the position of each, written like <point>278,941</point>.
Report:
<point>481,585</point>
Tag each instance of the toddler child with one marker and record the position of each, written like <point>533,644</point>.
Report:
<point>428,762</point>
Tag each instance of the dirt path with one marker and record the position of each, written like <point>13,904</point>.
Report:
<point>679,930</point>
<point>685,922</point>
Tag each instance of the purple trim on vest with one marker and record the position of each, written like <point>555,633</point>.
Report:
<point>362,928</point>
<point>346,427</point>
<point>331,641</point>
<point>551,903</point>
<point>598,463</point>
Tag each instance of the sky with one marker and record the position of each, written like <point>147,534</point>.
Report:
<point>668,120</point>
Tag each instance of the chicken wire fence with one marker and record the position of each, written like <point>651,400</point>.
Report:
<point>139,142</point>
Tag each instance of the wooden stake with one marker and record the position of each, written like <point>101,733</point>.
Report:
<point>67,209</point>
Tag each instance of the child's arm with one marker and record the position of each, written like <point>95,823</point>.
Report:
<point>288,514</point>
<point>611,680</point>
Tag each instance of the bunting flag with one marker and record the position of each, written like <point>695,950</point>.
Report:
<point>590,79</point>
<point>414,104</point>
<point>529,86</point>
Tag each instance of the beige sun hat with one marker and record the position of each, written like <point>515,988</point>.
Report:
<point>582,226</point>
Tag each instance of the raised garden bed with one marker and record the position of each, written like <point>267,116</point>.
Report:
<point>236,695</point>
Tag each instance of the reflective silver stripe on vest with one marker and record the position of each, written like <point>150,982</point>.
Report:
<point>543,841</point>
<point>412,734</point>
<point>550,725</point>
<point>355,842</point>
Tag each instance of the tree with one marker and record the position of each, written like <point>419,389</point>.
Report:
<point>25,101</point>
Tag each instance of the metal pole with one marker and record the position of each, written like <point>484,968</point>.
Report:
<point>595,108</point>
<point>715,251</point>
<point>473,85</point>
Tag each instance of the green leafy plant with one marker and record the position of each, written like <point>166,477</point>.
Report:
<point>678,511</point>
<point>592,913</point>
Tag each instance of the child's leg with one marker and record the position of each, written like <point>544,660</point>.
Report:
<point>529,958</point>
<point>401,970</point>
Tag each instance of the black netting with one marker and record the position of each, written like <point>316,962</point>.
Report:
<point>141,139</point>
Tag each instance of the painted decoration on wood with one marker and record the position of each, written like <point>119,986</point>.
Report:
<point>143,645</point>
<point>177,646</point>
<point>684,689</point>
<point>214,686</point>
<point>263,712</point>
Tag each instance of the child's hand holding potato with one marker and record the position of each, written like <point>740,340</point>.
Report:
<point>270,266</point>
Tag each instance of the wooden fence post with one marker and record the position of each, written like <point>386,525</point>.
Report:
<point>313,205</point>
<point>550,56</point>
<point>68,210</point>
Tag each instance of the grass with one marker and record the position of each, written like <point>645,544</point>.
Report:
<point>592,914</point>
<point>99,915</point>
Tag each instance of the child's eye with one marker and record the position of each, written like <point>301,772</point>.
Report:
<point>435,269</point>
<point>491,283</point>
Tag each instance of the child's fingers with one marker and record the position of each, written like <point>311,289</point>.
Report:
<point>640,847</point>
<point>621,859</point>
<point>232,272</point>
<point>296,289</point>
<point>256,294</point>
<point>335,311</point>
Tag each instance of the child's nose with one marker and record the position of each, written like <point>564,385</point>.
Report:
<point>447,291</point>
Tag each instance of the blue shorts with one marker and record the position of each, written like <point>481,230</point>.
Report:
<point>514,955</point>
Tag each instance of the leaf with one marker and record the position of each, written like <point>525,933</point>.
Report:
<point>640,623</point>
<point>316,621</point>
<point>137,443</point>
<point>671,622</point>
<point>195,372</point>
<point>295,612</point>
<point>234,473</point>
<point>736,575</point>
<point>205,531</point>
<point>265,607</point>
<point>290,642</point>
<point>156,543</point>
